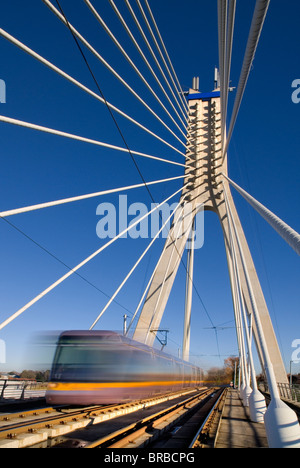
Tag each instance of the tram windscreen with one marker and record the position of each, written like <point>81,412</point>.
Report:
<point>80,359</point>
<point>98,359</point>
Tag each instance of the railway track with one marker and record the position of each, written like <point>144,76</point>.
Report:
<point>46,427</point>
<point>206,435</point>
<point>161,425</point>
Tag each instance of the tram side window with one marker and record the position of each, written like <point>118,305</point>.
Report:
<point>187,374</point>
<point>141,366</point>
<point>162,367</point>
<point>178,372</point>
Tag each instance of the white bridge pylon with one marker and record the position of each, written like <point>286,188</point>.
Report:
<point>205,187</point>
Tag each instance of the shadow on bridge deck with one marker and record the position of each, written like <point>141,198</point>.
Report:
<point>236,429</point>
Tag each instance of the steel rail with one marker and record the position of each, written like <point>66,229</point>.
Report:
<point>208,420</point>
<point>30,425</point>
<point>125,436</point>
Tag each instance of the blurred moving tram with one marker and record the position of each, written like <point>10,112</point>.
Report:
<point>101,367</point>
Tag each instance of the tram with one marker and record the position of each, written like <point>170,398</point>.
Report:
<point>102,367</point>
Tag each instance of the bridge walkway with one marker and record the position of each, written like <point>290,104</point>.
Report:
<point>236,428</point>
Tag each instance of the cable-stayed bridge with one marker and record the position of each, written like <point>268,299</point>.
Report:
<point>195,131</point>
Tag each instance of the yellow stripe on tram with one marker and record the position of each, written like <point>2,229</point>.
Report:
<point>81,386</point>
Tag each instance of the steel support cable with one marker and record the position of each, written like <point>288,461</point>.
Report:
<point>106,64</point>
<point>127,29</point>
<point>179,89</point>
<point>71,136</point>
<point>242,350</point>
<point>240,305</point>
<point>242,308</point>
<point>155,269</point>
<point>110,111</point>
<point>284,230</point>
<point>151,278</point>
<point>60,72</point>
<point>117,43</point>
<point>167,55</point>
<point>177,230</point>
<point>194,287</point>
<point>222,34</point>
<point>78,45</point>
<point>80,265</point>
<point>229,43</point>
<point>181,106</point>
<point>234,299</point>
<point>259,16</point>
<point>61,262</point>
<point>166,272</point>
<point>103,24</point>
<point>26,209</point>
<point>261,336</point>
<point>131,272</point>
<point>190,226</point>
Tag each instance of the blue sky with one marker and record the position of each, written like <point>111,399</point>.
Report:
<point>263,159</point>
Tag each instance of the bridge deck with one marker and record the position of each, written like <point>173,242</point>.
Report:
<point>236,429</point>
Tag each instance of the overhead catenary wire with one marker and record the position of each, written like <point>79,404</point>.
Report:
<point>77,35</point>
<point>53,67</point>
<point>81,264</point>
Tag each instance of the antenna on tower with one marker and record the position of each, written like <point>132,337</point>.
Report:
<point>217,78</point>
<point>196,83</point>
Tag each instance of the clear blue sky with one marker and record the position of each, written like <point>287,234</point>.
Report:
<point>263,158</point>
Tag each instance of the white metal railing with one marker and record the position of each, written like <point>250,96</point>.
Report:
<point>21,389</point>
<point>290,392</point>
<point>286,391</point>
